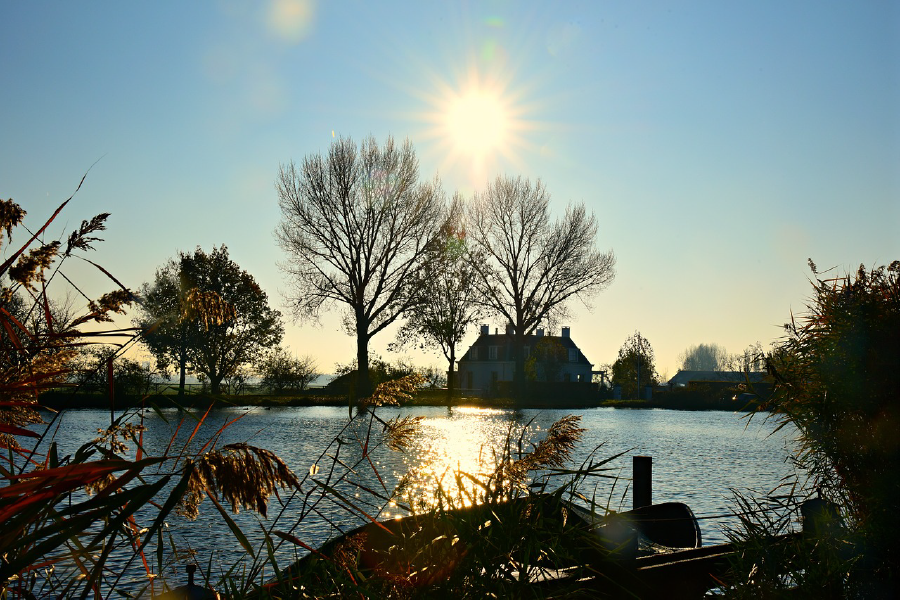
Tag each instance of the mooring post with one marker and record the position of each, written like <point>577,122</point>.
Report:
<point>642,481</point>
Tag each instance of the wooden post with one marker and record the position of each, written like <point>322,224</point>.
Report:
<point>642,481</point>
<point>112,390</point>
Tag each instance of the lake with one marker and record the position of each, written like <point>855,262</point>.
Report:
<point>698,458</point>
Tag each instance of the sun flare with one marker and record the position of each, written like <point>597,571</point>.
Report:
<point>478,118</point>
<point>477,123</point>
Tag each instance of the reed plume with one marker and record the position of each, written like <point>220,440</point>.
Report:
<point>242,475</point>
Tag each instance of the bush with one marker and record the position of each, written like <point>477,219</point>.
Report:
<point>281,372</point>
<point>836,380</point>
<point>130,378</point>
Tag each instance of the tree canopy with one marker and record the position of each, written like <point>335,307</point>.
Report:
<point>546,360</point>
<point>355,224</point>
<point>204,314</point>
<point>705,357</point>
<point>713,357</point>
<point>529,267</point>
<point>635,367</point>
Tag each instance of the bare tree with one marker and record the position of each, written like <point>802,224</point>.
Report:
<point>354,225</point>
<point>531,266</point>
<point>713,357</point>
<point>752,359</point>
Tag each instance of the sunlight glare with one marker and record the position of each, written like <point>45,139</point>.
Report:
<point>477,123</point>
<point>464,444</point>
<point>291,20</point>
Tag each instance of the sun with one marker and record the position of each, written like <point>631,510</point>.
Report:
<point>477,123</point>
<point>477,119</point>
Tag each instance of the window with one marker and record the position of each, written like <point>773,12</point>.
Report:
<point>474,353</point>
<point>492,352</point>
<point>526,351</point>
<point>573,355</point>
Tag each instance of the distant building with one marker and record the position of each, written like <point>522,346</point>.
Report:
<point>686,378</point>
<point>491,360</point>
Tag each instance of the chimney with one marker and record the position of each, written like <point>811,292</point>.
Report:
<point>565,332</point>
<point>509,329</point>
<point>485,330</point>
<point>540,332</point>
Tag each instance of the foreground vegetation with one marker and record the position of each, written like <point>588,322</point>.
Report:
<point>836,381</point>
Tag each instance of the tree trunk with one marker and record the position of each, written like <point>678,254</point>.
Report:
<point>450,378</point>
<point>215,384</point>
<point>182,368</point>
<point>519,355</point>
<point>363,383</point>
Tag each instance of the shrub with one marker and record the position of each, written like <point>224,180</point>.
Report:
<point>836,380</point>
<point>282,372</point>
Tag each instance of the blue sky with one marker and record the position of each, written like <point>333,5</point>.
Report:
<point>720,144</point>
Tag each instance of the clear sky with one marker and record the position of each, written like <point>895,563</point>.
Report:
<point>720,144</point>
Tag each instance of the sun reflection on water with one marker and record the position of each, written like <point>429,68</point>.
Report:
<point>451,457</point>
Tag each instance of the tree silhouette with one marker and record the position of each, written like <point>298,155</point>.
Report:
<point>705,357</point>
<point>354,225</point>
<point>205,314</point>
<point>635,367</point>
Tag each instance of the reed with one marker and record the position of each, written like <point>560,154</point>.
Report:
<point>835,375</point>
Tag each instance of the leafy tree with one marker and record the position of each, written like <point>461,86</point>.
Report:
<point>48,524</point>
<point>282,372</point>
<point>546,360</point>
<point>443,309</point>
<point>634,368</point>
<point>354,225</point>
<point>529,267</point>
<point>204,314</point>
<point>836,379</point>
<point>705,357</point>
<point>236,383</point>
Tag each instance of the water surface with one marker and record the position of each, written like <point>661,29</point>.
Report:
<point>698,458</point>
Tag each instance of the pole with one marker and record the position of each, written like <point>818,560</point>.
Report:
<point>642,481</point>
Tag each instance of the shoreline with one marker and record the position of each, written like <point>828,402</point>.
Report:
<point>63,400</point>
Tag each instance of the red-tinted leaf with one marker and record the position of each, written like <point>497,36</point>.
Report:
<point>13,430</point>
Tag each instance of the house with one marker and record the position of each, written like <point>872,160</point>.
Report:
<point>491,359</point>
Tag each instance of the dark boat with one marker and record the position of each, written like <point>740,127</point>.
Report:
<point>425,550</point>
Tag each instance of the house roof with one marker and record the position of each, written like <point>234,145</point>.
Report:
<point>504,343</point>
<point>686,377</point>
